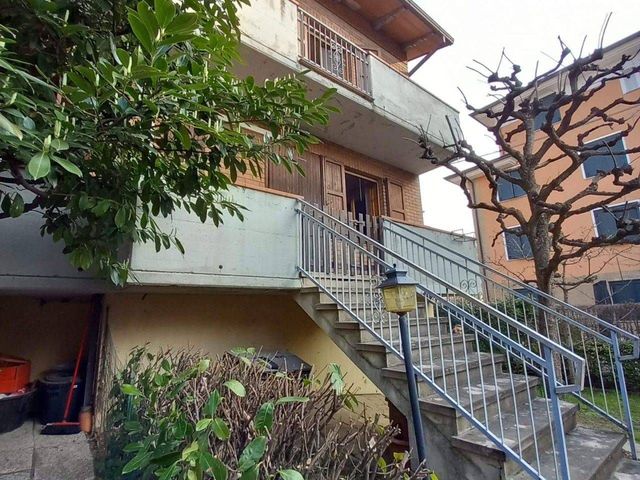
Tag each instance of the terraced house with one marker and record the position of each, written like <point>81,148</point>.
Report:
<point>299,274</point>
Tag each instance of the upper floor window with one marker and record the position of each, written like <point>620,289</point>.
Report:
<point>507,190</point>
<point>541,117</point>
<point>605,161</point>
<point>633,82</point>
<point>606,220</point>
<point>517,244</point>
<point>619,291</point>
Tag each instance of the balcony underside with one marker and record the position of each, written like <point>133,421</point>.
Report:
<point>384,128</point>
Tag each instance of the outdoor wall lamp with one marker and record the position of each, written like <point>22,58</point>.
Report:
<point>399,295</point>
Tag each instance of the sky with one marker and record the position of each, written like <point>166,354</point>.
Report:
<point>528,30</point>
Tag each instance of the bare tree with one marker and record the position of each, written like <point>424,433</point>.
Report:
<point>525,126</point>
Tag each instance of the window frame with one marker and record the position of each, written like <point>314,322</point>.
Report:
<point>635,78</point>
<point>609,299</point>
<point>624,145</point>
<point>635,203</point>
<point>506,246</point>
<point>538,127</point>
<point>513,187</point>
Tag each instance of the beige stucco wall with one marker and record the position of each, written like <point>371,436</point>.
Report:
<point>47,332</point>
<point>216,323</point>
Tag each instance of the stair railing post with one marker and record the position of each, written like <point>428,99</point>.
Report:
<point>622,386</point>
<point>416,417</point>
<point>558,426</point>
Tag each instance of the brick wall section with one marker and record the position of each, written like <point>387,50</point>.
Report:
<point>359,163</point>
<point>357,30</point>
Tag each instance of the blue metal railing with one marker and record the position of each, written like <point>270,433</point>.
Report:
<point>483,384</point>
<point>578,331</point>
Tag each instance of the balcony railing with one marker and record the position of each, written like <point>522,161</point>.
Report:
<point>325,50</point>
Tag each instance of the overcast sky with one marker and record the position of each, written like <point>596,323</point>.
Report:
<point>529,31</point>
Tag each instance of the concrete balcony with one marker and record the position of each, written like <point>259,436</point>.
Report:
<point>380,108</point>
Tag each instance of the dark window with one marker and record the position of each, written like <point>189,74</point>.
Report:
<point>541,117</point>
<point>518,246</point>
<point>604,162</point>
<point>606,220</point>
<point>507,190</point>
<point>619,291</point>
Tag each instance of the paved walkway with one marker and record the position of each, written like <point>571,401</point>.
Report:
<point>27,455</point>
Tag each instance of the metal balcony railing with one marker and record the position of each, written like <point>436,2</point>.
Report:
<point>323,49</point>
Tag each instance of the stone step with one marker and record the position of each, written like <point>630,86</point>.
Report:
<point>427,347</point>
<point>391,332</point>
<point>449,374</point>
<point>500,397</point>
<point>627,469</point>
<point>593,455</point>
<point>523,432</point>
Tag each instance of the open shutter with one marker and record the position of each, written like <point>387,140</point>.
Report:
<point>308,185</point>
<point>334,188</point>
<point>395,200</point>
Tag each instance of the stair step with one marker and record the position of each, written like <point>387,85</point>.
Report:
<point>450,372</point>
<point>474,441</point>
<point>593,455</point>
<point>506,396</point>
<point>627,470</point>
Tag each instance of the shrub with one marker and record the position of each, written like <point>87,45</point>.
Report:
<point>601,367</point>
<point>180,415</point>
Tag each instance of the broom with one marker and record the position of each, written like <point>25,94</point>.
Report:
<point>65,427</point>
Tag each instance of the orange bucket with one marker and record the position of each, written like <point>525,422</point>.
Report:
<point>15,373</point>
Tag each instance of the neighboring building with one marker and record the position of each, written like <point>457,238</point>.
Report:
<point>617,267</point>
<point>294,278</point>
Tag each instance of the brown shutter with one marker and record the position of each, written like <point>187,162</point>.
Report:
<point>308,185</point>
<point>395,196</point>
<point>334,188</point>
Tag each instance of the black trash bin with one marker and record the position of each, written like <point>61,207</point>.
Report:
<point>14,409</point>
<point>285,362</point>
<point>53,389</point>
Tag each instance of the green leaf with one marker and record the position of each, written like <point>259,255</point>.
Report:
<point>139,462</point>
<point>39,165</point>
<point>183,23</point>
<point>263,420</point>
<point>203,424</point>
<point>129,389</point>
<point>59,145</point>
<point>121,217</point>
<point>101,207</point>
<point>140,30</point>
<point>236,387</point>
<point>290,475</point>
<point>165,11</point>
<point>283,400</point>
<point>149,19</point>
<point>211,406</point>
<point>67,165</point>
<point>188,451</point>
<point>168,472</point>
<point>252,453</point>
<point>28,123</point>
<point>216,467</point>
<point>220,429</point>
<point>17,206</point>
<point>336,378</point>
<point>10,127</point>
<point>250,474</point>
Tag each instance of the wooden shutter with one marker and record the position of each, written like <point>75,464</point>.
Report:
<point>334,188</point>
<point>308,185</point>
<point>395,197</point>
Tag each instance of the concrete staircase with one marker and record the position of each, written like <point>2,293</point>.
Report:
<point>483,383</point>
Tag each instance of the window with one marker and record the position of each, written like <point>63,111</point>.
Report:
<point>619,291</point>
<point>507,190</point>
<point>518,245</point>
<point>541,117</point>
<point>604,162</point>
<point>606,220</point>
<point>633,82</point>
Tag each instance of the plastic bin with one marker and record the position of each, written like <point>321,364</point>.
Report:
<point>53,388</point>
<point>14,410</point>
<point>14,373</point>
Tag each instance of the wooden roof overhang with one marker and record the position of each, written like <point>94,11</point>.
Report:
<point>405,23</point>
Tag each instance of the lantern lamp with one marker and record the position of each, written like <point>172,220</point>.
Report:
<point>398,291</point>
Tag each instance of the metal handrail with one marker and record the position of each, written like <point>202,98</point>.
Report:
<point>340,266</point>
<point>538,293</point>
<point>603,339</point>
